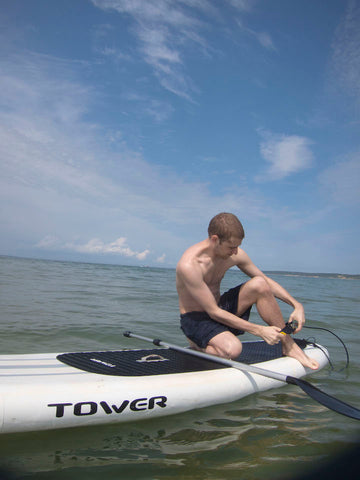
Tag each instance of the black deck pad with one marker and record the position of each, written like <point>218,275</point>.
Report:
<point>160,361</point>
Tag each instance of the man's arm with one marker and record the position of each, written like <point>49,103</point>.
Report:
<point>247,266</point>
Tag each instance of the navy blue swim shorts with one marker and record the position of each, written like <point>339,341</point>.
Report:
<point>200,328</point>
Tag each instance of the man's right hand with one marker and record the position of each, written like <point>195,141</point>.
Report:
<point>271,335</point>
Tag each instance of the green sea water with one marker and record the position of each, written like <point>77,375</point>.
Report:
<point>49,306</point>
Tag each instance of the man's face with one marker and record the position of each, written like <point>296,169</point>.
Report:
<point>227,248</point>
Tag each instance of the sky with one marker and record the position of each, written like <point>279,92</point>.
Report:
<point>126,125</point>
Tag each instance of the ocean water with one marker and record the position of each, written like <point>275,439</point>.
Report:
<point>49,306</point>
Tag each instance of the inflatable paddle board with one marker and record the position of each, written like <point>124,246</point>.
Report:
<point>51,391</point>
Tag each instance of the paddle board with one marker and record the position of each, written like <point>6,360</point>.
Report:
<point>62,390</point>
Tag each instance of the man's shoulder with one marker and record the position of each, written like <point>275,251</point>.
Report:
<point>241,255</point>
<point>240,259</point>
<point>186,263</point>
<point>191,261</point>
<point>191,254</point>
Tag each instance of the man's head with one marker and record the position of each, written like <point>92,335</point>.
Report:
<point>226,226</point>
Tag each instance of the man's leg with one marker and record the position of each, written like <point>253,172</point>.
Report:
<point>226,344</point>
<point>257,291</point>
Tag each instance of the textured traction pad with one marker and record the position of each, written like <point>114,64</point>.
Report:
<point>160,361</point>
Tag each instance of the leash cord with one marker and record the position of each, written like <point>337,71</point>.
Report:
<point>343,344</point>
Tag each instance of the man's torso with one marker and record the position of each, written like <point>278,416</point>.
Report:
<point>212,273</point>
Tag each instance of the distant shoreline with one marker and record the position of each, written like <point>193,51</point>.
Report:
<point>341,276</point>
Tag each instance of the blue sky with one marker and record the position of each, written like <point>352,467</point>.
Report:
<point>125,125</point>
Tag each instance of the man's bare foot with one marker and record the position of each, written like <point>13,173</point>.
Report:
<point>291,349</point>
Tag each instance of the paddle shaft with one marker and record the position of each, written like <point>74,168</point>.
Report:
<point>315,393</point>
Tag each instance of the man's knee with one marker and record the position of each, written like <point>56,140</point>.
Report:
<point>234,351</point>
<point>259,285</point>
<point>225,345</point>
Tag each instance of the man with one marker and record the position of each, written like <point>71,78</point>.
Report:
<point>212,322</point>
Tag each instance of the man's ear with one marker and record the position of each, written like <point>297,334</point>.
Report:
<point>214,239</point>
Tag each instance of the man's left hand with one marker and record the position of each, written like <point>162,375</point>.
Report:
<point>299,315</point>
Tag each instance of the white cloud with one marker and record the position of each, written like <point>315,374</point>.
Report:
<point>166,29</point>
<point>263,38</point>
<point>287,154</point>
<point>161,259</point>
<point>97,246</point>
<point>242,5</point>
<point>93,246</point>
<point>163,29</point>
<point>49,242</point>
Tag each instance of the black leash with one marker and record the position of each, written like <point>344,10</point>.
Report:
<point>290,328</point>
<point>340,340</point>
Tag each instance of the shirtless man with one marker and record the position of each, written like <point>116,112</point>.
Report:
<point>212,321</point>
